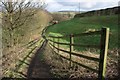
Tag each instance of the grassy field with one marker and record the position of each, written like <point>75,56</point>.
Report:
<point>28,38</point>
<point>79,25</point>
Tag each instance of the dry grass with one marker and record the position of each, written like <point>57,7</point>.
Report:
<point>30,31</point>
<point>60,67</point>
<point>15,61</point>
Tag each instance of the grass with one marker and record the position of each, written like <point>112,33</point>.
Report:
<point>19,70</point>
<point>26,33</point>
<point>60,67</point>
<point>32,27</point>
<point>79,25</point>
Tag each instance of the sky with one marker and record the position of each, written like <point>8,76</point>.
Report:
<point>76,5</point>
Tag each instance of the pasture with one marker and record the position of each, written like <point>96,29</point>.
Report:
<point>86,24</point>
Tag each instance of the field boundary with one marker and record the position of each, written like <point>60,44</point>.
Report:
<point>103,47</point>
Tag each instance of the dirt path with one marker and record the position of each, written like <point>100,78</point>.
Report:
<point>37,68</point>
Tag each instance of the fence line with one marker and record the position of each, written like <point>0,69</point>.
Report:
<point>76,54</point>
<point>78,35</point>
<point>104,33</point>
<point>72,44</point>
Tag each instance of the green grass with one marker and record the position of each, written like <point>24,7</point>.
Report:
<point>79,25</point>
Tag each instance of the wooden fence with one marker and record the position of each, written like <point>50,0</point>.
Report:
<point>103,47</point>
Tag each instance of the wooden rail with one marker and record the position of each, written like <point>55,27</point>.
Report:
<point>103,46</point>
<point>76,54</point>
<point>81,45</point>
<point>78,35</point>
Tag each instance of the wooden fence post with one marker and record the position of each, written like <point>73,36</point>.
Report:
<point>103,53</point>
<point>71,47</point>
<point>58,45</point>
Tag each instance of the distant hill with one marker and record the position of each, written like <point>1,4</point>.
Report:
<point>69,14</point>
<point>73,11</point>
<point>101,12</point>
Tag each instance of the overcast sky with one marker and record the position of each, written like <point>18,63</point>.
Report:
<point>73,5</point>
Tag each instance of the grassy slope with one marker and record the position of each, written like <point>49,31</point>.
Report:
<point>30,31</point>
<point>78,25</point>
<point>39,21</point>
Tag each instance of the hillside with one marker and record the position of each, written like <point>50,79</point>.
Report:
<point>27,37</point>
<point>62,16</point>
<point>78,25</point>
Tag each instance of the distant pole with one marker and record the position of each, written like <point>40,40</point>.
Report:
<point>79,7</point>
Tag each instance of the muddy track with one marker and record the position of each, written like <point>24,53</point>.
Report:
<point>38,68</point>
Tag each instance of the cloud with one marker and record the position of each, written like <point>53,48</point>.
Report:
<point>85,5</point>
<point>50,1</point>
<point>53,5</point>
<point>88,4</point>
<point>87,0</point>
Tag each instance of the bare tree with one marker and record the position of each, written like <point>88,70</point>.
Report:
<point>16,13</point>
